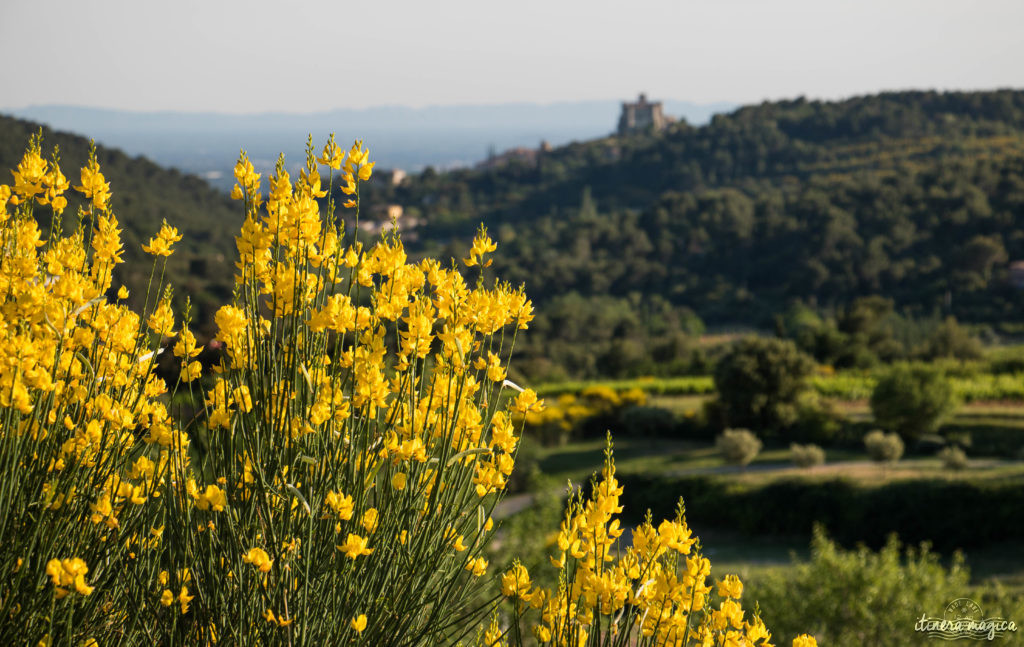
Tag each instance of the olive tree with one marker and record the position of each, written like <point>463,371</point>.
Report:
<point>759,383</point>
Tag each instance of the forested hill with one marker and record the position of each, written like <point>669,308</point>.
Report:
<point>627,243</point>
<point>772,142</point>
<point>917,196</point>
<point>145,194</point>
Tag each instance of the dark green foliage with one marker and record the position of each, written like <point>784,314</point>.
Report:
<point>858,597</point>
<point>816,421</point>
<point>992,438</point>
<point>868,331</point>
<point>699,424</point>
<point>614,337</point>
<point>912,195</point>
<point>527,469</point>
<point>653,422</point>
<point>1006,360</point>
<point>951,339</point>
<point>912,400</point>
<point>979,255</point>
<point>760,381</point>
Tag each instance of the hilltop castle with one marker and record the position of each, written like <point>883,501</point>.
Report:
<point>642,116</point>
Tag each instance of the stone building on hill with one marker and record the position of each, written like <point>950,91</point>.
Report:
<point>642,116</point>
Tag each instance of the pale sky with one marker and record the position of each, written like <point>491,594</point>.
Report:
<point>257,55</point>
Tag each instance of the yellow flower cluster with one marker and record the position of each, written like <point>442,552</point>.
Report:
<point>39,179</point>
<point>656,591</point>
<point>167,598</point>
<point>355,546</point>
<point>305,274</point>
<point>87,433</point>
<point>247,180</point>
<point>357,414</point>
<point>554,423</point>
<point>259,559</point>
<point>357,165</point>
<point>187,349</point>
<point>94,186</point>
<point>68,573</point>
<point>482,245</point>
<point>162,243</point>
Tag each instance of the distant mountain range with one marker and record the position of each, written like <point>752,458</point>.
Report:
<point>207,144</point>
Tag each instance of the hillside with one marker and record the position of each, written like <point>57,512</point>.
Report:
<point>913,195</point>
<point>629,242</point>
<point>145,194</point>
<point>771,143</point>
<point>629,245</point>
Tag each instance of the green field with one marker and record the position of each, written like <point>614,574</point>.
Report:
<point>998,563</point>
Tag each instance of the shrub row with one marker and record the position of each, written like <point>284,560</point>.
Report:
<point>685,385</point>
<point>980,387</point>
<point>950,515</point>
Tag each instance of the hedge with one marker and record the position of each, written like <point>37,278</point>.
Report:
<point>949,514</point>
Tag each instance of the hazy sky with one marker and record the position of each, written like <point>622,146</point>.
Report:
<point>257,55</point>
